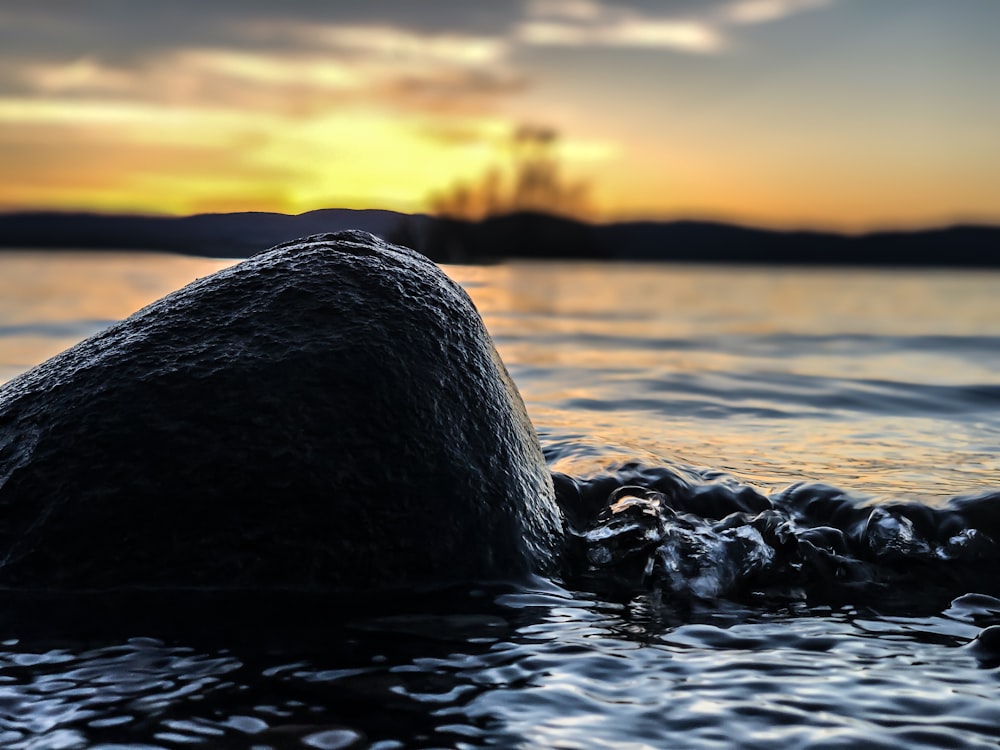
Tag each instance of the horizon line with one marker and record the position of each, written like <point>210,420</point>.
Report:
<point>736,223</point>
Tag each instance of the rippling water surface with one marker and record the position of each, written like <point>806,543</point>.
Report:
<point>884,384</point>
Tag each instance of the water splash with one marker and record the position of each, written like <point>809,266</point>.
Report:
<point>690,535</point>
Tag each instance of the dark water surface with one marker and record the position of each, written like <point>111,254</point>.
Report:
<point>882,385</point>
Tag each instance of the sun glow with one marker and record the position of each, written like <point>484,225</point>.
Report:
<point>701,110</point>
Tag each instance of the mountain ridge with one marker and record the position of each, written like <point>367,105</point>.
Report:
<point>520,236</point>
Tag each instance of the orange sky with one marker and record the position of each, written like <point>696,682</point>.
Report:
<point>806,113</point>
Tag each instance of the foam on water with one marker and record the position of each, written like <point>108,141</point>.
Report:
<point>687,536</point>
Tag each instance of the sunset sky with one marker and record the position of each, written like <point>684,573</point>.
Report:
<point>843,114</point>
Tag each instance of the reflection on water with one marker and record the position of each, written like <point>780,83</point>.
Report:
<point>528,669</point>
<point>879,382</point>
<point>884,382</point>
<point>689,301</point>
<point>49,301</point>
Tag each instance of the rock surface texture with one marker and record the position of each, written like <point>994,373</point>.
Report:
<point>329,413</point>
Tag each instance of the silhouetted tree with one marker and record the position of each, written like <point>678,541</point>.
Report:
<point>533,182</point>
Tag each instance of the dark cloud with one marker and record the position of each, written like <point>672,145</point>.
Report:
<point>435,55</point>
<point>124,32</point>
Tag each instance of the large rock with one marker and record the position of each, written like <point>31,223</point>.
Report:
<point>329,413</point>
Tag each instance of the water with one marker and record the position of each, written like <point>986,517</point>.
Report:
<point>883,384</point>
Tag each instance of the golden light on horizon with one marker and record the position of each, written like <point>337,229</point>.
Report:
<point>181,159</point>
<point>662,116</point>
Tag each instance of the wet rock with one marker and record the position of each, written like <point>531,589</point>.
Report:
<point>329,413</point>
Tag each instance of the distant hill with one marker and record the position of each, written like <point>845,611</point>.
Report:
<point>235,235</point>
<point>540,236</point>
<point>537,236</point>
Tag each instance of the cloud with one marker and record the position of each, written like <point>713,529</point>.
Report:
<point>402,67</point>
<point>581,23</point>
<point>333,52</point>
<point>84,74</point>
<point>307,57</point>
<point>283,70</point>
<point>702,29</point>
<point>679,35</point>
<point>299,69</point>
<point>765,11</point>
<point>404,46</point>
<point>127,33</point>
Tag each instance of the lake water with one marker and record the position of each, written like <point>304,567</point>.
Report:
<point>883,384</point>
